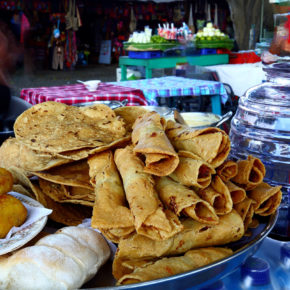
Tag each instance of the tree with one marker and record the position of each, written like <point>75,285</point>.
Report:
<point>244,14</point>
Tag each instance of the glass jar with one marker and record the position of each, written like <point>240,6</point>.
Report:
<point>261,127</point>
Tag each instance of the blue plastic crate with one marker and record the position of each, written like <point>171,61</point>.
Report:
<point>205,51</point>
<point>144,54</point>
<point>192,51</point>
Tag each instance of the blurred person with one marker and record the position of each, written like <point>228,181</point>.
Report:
<point>280,45</point>
<point>8,56</point>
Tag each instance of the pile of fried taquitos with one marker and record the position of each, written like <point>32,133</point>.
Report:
<point>165,193</point>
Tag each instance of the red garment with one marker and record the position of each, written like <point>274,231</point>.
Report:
<point>25,27</point>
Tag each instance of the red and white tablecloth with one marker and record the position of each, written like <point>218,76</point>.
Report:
<point>77,93</point>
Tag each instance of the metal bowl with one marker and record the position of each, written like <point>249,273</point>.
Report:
<point>201,277</point>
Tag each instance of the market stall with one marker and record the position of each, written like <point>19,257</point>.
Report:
<point>136,197</point>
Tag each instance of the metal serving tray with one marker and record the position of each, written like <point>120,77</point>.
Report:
<point>201,277</point>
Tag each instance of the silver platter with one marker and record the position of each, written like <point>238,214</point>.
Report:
<point>201,277</point>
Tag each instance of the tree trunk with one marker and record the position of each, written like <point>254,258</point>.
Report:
<point>244,14</point>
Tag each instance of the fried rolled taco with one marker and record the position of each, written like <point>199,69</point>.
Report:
<point>251,172</point>
<point>194,235</point>
<point>246,210</point>
<point>151,142</point>
<point>181,199</point>
<point>237,193</point>
<point>192,170</point>
<point>171,266</point>
<point>228,170</point>
<point>150,218</point>
<point>110,213</point>
<point>211,144</point>
<point>267,198</point>
<point>217,195</point>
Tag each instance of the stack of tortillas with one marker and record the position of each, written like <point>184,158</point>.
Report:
<point>52,141</point>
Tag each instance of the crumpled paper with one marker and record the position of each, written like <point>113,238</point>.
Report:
<point>34,214</point>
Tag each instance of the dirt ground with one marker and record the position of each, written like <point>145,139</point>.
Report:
<point>23,79</point>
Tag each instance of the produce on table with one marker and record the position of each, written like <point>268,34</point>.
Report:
<point>211,37</point>
<point>210,33</point>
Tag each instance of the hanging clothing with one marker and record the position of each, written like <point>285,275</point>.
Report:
<point>25,27</point>
<point>58,57</point>
<point>70,52</point>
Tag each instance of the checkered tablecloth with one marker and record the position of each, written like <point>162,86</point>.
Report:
<point>77,93</point>
<point>172,86</point>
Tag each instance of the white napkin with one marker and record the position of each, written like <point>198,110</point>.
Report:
<point>33,215</point>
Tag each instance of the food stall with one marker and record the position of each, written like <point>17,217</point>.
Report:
<point>135,197</point>
<point>173,46</point>
<point>181,213</point>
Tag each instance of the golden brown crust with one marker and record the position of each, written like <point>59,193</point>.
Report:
<point>13,213</point>
<point>149,140</point>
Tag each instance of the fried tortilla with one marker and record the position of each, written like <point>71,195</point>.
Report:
<point>245,209</point>
<point>10,153</point>
<point>64,213</point>
<point>211,144</point>
<point>111,214</point>
<point>150,217</point>
<point>238,194</point>
<point>58,193</point>
<point>192,170</point>
<point>35,160</point>
<point>267,198</point>
<point>129,114</point>
<point>217,195</point>
<point>251,173</point>
<point>86,152</point>
<point>228,170</point>
<point>56,127</point>
<point>150,141</point>
<point>194,235</point>
<point>166,267</point>
<point>73,174</point>
<point>181,199</point>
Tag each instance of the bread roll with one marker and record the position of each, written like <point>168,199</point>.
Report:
<point>64,260</point>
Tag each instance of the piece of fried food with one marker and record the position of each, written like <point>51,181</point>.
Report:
<point>12,213</point>
<point>6,181</point>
